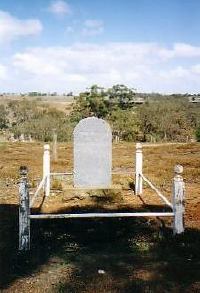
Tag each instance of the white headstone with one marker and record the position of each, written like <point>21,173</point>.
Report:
<point>21,138</point>
<point>92,153</point>
<point>30,138</point>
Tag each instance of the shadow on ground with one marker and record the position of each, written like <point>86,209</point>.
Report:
<point>106,255</point>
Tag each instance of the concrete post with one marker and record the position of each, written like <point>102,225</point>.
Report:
<point>178,197</point>
<point>138,169</point>
<point>46,169</point>
<point>24,210</point>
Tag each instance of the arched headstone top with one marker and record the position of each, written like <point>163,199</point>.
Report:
<point>92,153</point>
<point>93,124</point>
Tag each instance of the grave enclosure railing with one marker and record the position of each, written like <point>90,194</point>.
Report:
<point>178,191</point>
<point>25,203</point>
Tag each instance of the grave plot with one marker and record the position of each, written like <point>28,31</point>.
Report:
<point>93,172</point>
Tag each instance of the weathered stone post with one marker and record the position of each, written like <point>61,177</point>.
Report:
<point>46,169</point>
<point>138,169</point>
<point>24,210</point>
<point>178,197</point>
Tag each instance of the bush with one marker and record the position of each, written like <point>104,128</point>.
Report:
<point>162,118</point>
<point>125,124</point>
<point>198,134</point>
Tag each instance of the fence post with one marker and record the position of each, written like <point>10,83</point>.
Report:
<point>24,210</point>
<point>138,169</point>
<point>178,197</point>
<point>46,169</point>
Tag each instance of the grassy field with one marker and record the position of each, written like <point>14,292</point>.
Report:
<point>104,255</point>
<point>61,103</point>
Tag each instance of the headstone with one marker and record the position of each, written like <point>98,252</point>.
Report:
<point>21,138</point>
<point>92,153</point>
<point>30,138</point>
<point>12,137</point>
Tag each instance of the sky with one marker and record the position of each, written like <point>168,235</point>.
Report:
<point>63,46</point>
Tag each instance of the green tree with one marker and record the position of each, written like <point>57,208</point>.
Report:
<point>90,105</point>
<point>198,133</point>
<point>121,95</point>
<point>165,119</point>
<point>125,123</point>
<point>3,117</point>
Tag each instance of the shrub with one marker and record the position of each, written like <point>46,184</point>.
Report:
<point>198,134</point>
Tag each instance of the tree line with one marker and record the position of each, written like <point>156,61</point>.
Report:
<point>159,118</point>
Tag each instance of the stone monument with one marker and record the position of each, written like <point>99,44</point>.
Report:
<point>92,153</point>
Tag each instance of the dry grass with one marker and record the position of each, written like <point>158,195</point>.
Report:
<point>137,255</point>
<point>159,162</point>
<point>63,106</point>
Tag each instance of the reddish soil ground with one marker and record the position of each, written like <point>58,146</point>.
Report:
<point>101,255</point>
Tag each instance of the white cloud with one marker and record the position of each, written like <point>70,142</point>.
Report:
<point>60,8</point>
<point>179,50</point>
<point>178,72</point>
<point>12,28</point>
<point>145,66</point>
<point>92,27</point>
<point>34,64</point>
<point>186,50</point>
<point>196,69</point>
<point>3,72</point>
<point>87,59</point>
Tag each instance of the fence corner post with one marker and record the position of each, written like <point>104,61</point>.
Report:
<point>178,197</point>
<point>46,169</point>
<point>138,169</point>
<point>24,210</point>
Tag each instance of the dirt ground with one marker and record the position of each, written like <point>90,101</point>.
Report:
<point>101,255</point>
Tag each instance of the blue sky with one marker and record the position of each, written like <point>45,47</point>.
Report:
<point>151,45</point>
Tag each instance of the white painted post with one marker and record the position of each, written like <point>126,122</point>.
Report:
<point>138,169</point>
<point>178,197</point>
<point>46,169</point>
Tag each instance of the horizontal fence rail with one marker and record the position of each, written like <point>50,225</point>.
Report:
<point>102,215</point>
<point>37,191</point>
<point>177,205</point>
<point>61,174</point>
<point>72,173</point>
<point>157,191</point>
